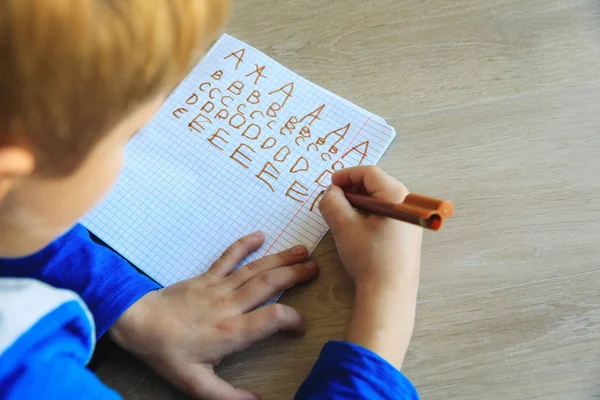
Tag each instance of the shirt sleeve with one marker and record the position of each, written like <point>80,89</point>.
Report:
<point>45,358</point>
<point>108,284</point>
<point>348,371</point>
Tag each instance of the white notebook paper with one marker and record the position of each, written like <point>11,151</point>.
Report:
<point>242,144</point>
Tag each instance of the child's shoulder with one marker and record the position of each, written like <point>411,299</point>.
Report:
<point>41,325</point>
<point>31,312</point>
<point>30,308</point>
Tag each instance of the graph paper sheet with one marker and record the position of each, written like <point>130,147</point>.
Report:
<point>242,144</point>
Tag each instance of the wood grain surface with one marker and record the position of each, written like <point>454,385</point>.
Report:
<point>496,104</point>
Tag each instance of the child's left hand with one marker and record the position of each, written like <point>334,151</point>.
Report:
<point>184,330</point>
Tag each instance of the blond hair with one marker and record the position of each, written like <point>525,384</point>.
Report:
<point>70,70</point>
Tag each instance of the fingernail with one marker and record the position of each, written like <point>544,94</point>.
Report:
<point>311,265</point>
<point>327,189</point>
<point>257,233</point>
<point>298,250</point>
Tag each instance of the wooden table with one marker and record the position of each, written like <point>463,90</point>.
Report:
<point>496,104</point>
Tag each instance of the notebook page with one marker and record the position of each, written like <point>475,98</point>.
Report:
<point>242,144</point>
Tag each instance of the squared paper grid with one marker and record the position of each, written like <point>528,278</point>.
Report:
<point>180,201</point>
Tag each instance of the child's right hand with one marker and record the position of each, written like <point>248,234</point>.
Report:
<point>383,258</point>
<point>374,250</point>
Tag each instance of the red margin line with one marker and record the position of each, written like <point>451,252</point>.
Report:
<point>302,206</point>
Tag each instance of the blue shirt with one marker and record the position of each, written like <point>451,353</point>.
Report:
<point>54,304</point>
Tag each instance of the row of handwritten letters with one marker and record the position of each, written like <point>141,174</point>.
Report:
<point>242,144</point>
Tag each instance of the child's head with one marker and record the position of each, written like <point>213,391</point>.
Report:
<point>77,79</point>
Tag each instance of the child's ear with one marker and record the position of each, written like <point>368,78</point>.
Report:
<point>15,163</point>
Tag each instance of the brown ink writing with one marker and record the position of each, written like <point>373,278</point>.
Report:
<point>238,55</point>
<point>236,88</point>
<point>179,111</point>
<point>193,99</point>
<point>274,173</point>
<point>287,89</point>
<point>304,132</point>
<point>316,200</point>
<point>300,165</point>
<point>197,123</point>
<point>313,115</point>
<point>208,107</point>
<point>223,114</point>
<point>252,132</point>
<point>360,149</point>
<point>239,152</point>
<point>289,126</point>
<point>339,164</point>
<point>254,98</point>
<point>273,109</point>
<point>216,136</point>
<point>337,134</point>
<point>326,157</point>
<point>259,73</point>
<point>201,87</point>
<point>210,94</point>
<point>313,145</point>
<point>293,190</point>
<point>237,120</point>
<point>281,154</point>
<point>223,100</point>
<point>256,112</point>
<point>269,143</point>
<point>322,178</point>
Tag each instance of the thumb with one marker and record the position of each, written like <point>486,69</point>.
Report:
<point>336,210</point>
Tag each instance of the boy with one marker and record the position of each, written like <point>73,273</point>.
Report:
<point>77,79</point>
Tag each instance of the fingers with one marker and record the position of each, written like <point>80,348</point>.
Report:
<point>203,383</point>
<point>336,210</point>
<point>250,270</point>
<point>265,285</point>
<point>375,181</point>
<point>236,253</point>
<point>263,323</point>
